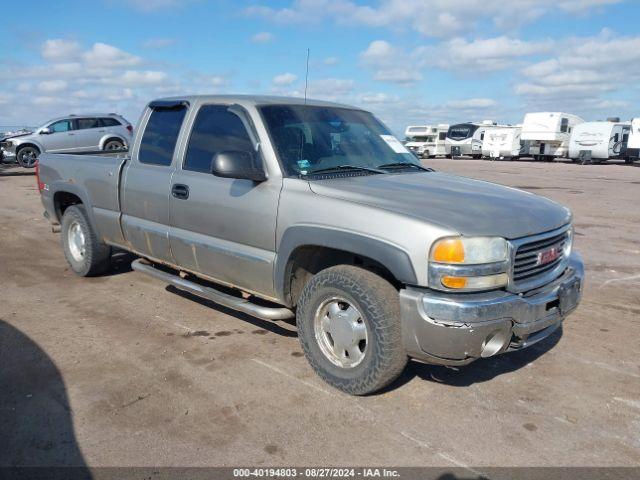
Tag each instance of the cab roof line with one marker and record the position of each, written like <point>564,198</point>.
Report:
<point>168,104</point>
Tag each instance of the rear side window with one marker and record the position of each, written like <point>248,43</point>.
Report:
<point>109,122</point>
<point>215,129</point>
<point>160,136</point>
<point>85,123</point>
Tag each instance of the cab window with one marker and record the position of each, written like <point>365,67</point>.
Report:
<point>215,129</point>
<point>160,135</point>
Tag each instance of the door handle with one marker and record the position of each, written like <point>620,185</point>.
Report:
<point>180,191</point>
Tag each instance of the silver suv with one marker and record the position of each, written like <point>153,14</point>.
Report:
<point>73,133</point>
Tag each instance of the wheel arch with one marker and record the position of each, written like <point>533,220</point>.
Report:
<point>66,195</point>
<point>305,250</point>
<point>112,136</point>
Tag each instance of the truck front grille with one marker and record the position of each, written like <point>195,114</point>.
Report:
<point>529,262</point>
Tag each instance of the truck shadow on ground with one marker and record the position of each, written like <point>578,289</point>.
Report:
<point>285,328</point>
<point>36,427</point>
<point>482,370</point>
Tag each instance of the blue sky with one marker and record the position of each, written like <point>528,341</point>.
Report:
<point>408,61</point>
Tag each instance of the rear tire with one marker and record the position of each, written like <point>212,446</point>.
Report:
<point>114,145</point>
<point>27,156</point>
<point>85,253</point>
<point>349,327</point>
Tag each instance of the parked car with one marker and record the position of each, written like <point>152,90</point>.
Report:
<point>314,210</point>
<point>73,133</point>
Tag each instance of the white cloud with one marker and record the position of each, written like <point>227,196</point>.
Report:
<point>156,43</point>
<point>102,54</point>
<point>435,18</point>
<point>330,87</point>
<point>50,86</point>
<point>284,79</point>
<point>134,78</point>
<point>471,103</point>
<point>58,49</point>
<point>330,61</point>
<point>390,64</point>
<point>488,54</point>
<point>262,37</point>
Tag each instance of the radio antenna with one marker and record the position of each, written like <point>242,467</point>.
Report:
<point>306,78</point>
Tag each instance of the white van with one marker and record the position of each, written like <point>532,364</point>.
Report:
<point>549,133</point>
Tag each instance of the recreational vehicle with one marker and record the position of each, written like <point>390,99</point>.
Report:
<point>598,141</point>
<point>548,133</point>
<point>503,141</point>
<point>633,145</point>
<point>426,141</point>
<point>466,139</point>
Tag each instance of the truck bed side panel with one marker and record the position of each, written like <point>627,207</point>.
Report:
<point>92,178</point>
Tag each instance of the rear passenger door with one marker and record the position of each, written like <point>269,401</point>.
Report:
<point>88,134</point>
<point>146,181</point>
<point>223,228</point>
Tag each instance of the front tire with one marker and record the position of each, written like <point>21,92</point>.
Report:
<point>349,327</point>
<point>85,253</point>
<point>27,156</point>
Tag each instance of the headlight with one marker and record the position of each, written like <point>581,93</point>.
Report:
<point>469,263</point>
<point>469,250</point>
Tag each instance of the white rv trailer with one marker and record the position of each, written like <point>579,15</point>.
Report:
<point>598,141</point>
<point>503,141</point>
<point>633,144</point>
<point>548,133</point>
<point>466,138</point>
<point>427,140</point>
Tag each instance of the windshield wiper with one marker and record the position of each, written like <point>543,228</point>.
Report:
<point>338,168</point>
<point>404,165</point>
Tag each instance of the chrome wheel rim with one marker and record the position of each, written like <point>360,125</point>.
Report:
<point>76,241</point>
<point>29,157</point>
<point>113,146</point>
<point>341,332</point>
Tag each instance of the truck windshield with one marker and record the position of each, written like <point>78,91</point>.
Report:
<point>313,138</point>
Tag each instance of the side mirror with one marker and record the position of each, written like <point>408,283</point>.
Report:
<point>45,131</point>
<point>237,164</point>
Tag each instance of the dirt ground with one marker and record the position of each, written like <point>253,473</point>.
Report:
<point>121,370</point>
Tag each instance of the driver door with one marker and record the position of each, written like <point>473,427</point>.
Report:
<point>223,228</point>
<point>62,137</point>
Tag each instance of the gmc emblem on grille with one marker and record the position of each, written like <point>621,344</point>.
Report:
<point>548,256</point>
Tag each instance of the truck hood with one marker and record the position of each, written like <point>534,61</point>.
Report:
<point>468,207</point>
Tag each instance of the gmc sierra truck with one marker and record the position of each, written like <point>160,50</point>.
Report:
<point>283,208</point>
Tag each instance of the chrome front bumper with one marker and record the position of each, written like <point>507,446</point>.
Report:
<point>455,329</point>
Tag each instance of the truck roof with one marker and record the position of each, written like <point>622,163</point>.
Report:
<point>258,100</point>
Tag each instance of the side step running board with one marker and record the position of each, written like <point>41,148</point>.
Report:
<point>235,303</point>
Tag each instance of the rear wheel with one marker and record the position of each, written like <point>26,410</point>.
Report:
<point>27,156</point>
<point>114,145</point>
<point>349,327</point>
<point>84,252</point>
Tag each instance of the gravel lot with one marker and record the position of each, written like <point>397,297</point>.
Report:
<point>121,370</point>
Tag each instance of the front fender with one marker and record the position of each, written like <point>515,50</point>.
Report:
<point>20,141</point>
<point>392,257</point>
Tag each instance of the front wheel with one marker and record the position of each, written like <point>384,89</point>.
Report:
<point>27,156</point>
<point>85,253</point>
<point>349,327</point>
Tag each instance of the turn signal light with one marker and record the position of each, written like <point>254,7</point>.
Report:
<point>454,282</point>
<point>449,250</point>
